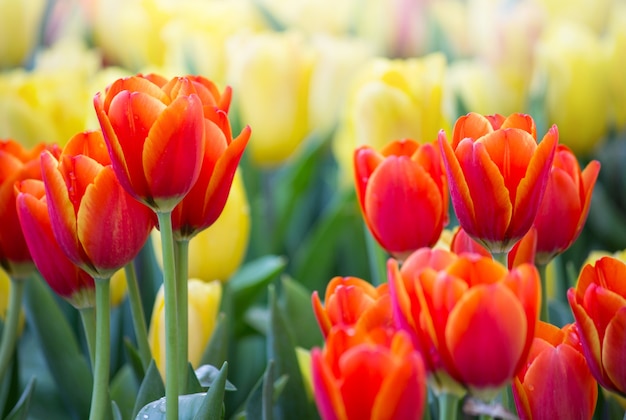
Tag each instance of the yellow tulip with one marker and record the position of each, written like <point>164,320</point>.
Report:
<point>216,252</point>
<point>615,42</point>
<point>5,289</point>
<point>118,287</point>
<point>574,66</point>
<point>592,14</point>
<point>204,303</point>
<point>270,74</point>
<point>20,26</point>
<point>391,100</point>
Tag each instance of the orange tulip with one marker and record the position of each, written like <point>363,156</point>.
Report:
<point>97,223</point>
<point>599,306</point>
<point>555,381</point>
<point>350,301</point>
<point>16,164</point>
<point>473,319</point>
<point>403,194</point>
<point>154,130</point>
<point>565,205</point>
<point>63,276</point>
<point>205,201</point>
<point>497,174</point>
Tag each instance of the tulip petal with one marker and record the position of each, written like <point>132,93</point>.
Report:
<point>366,159</point>
<point>327,394</point>
<point>613,346</point>
<point>472,125</point>
<point>522,121</point>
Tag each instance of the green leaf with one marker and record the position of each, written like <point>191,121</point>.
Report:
<point>292,402</point>
<point>188,406</point>
<point>65,361</point>
<point>213,405</point>
<point>193,383</point>
<point>134,359</point>
<point>115,410</point>
<point>151,388</point>
<point>298,314</point>
<point>208,374</point>
<point>253,277</point>
<point>216,351</point>
<point>261,399</point>
<point>21,409</point>
<point>123,390</point>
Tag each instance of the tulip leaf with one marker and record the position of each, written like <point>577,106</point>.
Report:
<point>293,402</point>
<point>213,405</point>
<point>123,390</point>
<point>208,374</point>
<point>67,364</point>
<point>299,316</point>
<point>21,409</point>
<point>193,382</point>
<point>253,277</point>
<point>216,351</point>
<point>261,398</point>
<point>151,388</point>
<point>188,406</point>
<point>134,359</point>
<point>115,410</point>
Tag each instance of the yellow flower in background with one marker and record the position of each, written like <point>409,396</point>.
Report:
<point>5,289</point>
<point>270,74</point>
<point>20,27</point>
<point>592,14</point>
<point>573,67</point>
<point>52,102</point>
<point>217,252</point>
<point>119,287</point>
<point>391,100</point>
<point>204,303</point>
<point>615,43</point>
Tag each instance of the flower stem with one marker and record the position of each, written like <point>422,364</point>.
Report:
<point>171,316</point>
<point>100,403</point>
<point>448,406</point>
<point>182,277</point>
<point>501,257</point>
<point>9,332</point>
<point>88,316</point>
<point>136,309</point>
<point>543,272</point>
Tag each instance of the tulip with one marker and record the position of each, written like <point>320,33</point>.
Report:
<point>392,99</point>
<point>20,26</point>
<point>5,291</point>
<point>403,194</point>
<point>155,132</point>
<point>472,319</point>
<point>64,277</point>
<point>16,164</point>
<point>204,302</point>
<point>97,223</point>
<point>349,302</point>
<point>615,43</point>
<point>368,376</point>
<point>497,160</point>
<point>598,303</point>
<point>204,203</point>
<point>555,381</point>
<point>565,205</point>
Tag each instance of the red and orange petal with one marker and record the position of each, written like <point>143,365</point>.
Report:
<point>89,143</point>
<point>366,160</point>
<point>326,389</point>
<point>471,126</point>
<point>613,357</point>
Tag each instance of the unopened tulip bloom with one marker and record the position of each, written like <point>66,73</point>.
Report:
<point>20,27</point>
<point>497,174</point>
<point>565,205</point>
<point>97,223</point>
<point>472,319</point>
<point>598,303</point>
<point>16,163</point>
<point>204,303</point>
<point>62,275</point>
<point>155,132</point>
<point>403,194</point>
<point>555,382</point>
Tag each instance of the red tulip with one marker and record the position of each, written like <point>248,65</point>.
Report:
<point>97,223</point>
<point>63,276</point>
<point>565,205</point>
<point>555,381</point>
<point>497,174</point>
<point>375,376</point>
<point>472,318</point>
<point>403,194</point>
<point>205,201</point>
<point>599,306</point>
<point>154,130</point>
<point>16,164</point>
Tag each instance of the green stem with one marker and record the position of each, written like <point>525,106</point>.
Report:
<point>448,406</point>
<point>543,314</point>
<point>501,257</point>
<point>139,321</point>
<point>88,316</point>
<point>9,332</point>
<point>182,277</point>
<point>171,316</point>
<point>100,402</point>
<point>376,258</point>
